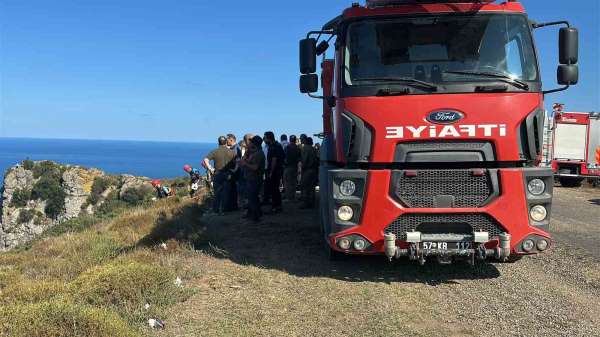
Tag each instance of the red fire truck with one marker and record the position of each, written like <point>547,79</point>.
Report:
<point>433,122</point>
<point>576,147</point>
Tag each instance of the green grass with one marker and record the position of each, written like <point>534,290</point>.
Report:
<point>61,319</point>
<point>92,276</point>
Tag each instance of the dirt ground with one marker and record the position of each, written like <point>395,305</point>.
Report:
<point>273,279</point>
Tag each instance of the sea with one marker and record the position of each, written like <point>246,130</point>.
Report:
<point>149,159</point>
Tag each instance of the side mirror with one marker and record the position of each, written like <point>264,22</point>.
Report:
<point>309,83</point>
<point>568,45</point>
<point>308,56</point>
<point>567,74</point>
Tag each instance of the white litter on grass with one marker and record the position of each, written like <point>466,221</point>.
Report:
<point>155,323</point>
<point>147,306</point>
<point>178,282</point>
<point>163,246</point>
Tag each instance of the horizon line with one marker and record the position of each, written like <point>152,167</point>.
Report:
<point>108,140</point>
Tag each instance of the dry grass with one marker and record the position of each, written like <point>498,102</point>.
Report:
<point>240,279</point>
<point>95,282</point>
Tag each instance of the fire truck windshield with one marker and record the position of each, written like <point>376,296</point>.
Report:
<point>442,49</point>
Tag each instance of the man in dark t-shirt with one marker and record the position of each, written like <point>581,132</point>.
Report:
<point>290,173</point>
<point>310,171</point>
<point>253,164</point>
<point>275,162</point>
<point>224,163</point>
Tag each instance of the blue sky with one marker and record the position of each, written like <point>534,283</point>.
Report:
<point>191,70</point>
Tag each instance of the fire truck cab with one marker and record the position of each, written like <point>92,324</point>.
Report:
<point>433,127</point>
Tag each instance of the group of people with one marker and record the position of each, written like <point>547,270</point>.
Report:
<point>254,172</point>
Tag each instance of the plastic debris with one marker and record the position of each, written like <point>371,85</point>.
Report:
<point>163,246</point>
<point>156,323</point>
<point>178,282</point>
<point>147,306</point>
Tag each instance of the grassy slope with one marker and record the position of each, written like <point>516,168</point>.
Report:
<point>270,279</point>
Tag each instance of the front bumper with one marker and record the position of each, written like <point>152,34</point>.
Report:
<point>509,210</point>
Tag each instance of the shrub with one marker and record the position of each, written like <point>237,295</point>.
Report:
<point>110,208</point>
<point>48,188</point>
<point>26,215</point>
<point>20,198</point>
<point>61,318</point>
<point>136,196</point>
<point>101,184</point>
<point>29,291</point>
<point>28,164</point>
<point>127,286</point>
<point>47,168</point>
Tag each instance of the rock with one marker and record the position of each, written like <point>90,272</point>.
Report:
<point>129,181</point>
<point>27,220</point>
<point>77,183</point>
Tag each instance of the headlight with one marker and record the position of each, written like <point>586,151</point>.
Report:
<point>344,243</point>
<point>538,213</point>
<point>542,245</point>
<point>528,245</point>
<point>347,188</point>
<point>345,213</point>
<point>536,187</point>
<point>360,244</point>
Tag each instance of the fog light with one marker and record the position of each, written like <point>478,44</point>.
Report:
<point>528,245</point>
<point>538,213</point>
<point>360,244</point>
<point>347,188</point>
<point>345,213</point>
<point>344,243</point>
<point>542,245</point>
<point>536,187</point>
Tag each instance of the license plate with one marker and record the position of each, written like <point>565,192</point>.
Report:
<point>446,245</point>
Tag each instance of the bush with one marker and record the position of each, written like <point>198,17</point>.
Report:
<point>28,164</point>
<point>26,215</point>
<point>47,169</point>
<point>48,188</point>
<point>110,208</point>
<point>20,198</point>
<point>136,196</point>
<point>29,291</point>
<point>101,184</point>
<point>126,287</point>
<point>61,318</point>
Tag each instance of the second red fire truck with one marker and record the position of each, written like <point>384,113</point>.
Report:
<point>433,118</point>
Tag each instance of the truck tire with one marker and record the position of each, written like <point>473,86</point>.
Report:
<point>571,182</point>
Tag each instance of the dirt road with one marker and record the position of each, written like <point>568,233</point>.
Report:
<point>273,279</point>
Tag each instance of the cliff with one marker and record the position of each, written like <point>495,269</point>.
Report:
<point>39,195</point>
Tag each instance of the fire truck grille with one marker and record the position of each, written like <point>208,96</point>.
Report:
<point>444,224</point>
<point>443,188</point>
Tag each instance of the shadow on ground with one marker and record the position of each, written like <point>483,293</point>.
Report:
<point>290,242</point>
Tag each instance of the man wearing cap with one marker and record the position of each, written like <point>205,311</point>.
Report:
<point>224,162</point>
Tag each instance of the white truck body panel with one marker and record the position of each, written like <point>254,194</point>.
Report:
<point>570,142</point>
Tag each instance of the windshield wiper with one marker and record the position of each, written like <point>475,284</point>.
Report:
<point>408,80</point>
<point>501,77</point>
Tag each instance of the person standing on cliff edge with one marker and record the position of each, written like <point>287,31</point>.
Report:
<point>224,162</point>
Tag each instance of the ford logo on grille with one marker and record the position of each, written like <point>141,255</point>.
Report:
<point>445,117</point>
